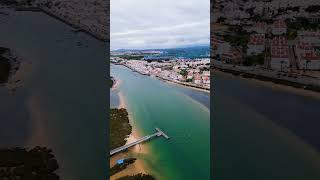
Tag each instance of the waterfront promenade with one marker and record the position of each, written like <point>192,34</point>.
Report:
<point>84,21</point>
<point>199,87</point>
<point>291,79</point>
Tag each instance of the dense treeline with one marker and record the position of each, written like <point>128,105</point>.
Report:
<point>111,81</point>
<point>119,127</point>
<point>5,66</point>
<point>119,167</point>
<point>8,2</point>
<point>35,164</point>
<point>137,177</point>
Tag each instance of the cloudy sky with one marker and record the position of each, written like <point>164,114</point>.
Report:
<point>146,24</point>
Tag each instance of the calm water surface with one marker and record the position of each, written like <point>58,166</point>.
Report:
<point>61,102</point>
<point>263,133</point>
<point>153,103</point>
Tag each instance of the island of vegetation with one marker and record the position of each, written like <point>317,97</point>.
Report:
<point>111,81</point>
<point>9,65</point>
<point>33,164</point>
<point>137,177</point>
<point>5,66</point>
<point>8,2</point>
<point>120,128</point>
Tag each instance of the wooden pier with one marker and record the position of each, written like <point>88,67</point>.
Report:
<point>141,140</point>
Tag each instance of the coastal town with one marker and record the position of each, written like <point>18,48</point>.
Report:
<point>86,16</point>
<point>188,72</point>
<point>274,39</point>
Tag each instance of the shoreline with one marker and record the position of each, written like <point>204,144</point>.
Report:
<point>39,136</point>
<point>73,25</point>
<point>276,86</point>
<point>264,78</point>
<point>171,81</point>
<point>78,27</point>
<point>19,77</point>
<point>138,166</point>
<point>116,83</point>
<point>9,64</point>
<point>185,86</point>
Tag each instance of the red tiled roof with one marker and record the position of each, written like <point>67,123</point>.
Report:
<point>307,51</point>
<point>261,25</point>
<point>205,78</point>
<point>234,54</point>
<point>311,33</point>
<point>279,41</point>
<point>256,39</point>
<point>216,39</point>
<point>197,77</point>
<point>279,51</point>
<point>310,56</point>
<point>304,45</point>
<point>279,24</point>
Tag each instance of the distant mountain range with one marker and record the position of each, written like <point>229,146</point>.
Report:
<point>162,49</point>
<point>179,52</point>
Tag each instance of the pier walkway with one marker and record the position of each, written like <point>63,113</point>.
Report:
<point>143,139</point>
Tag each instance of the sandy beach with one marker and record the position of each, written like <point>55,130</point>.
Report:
<point>122,103</point>
<point>38,117</point>
<point>138,166</point>
<point>117,83</point>
<point>20,76</point>
<point>135,168</point>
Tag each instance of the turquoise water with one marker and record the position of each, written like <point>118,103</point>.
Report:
<point>114,98</point>
<point>153,103</point>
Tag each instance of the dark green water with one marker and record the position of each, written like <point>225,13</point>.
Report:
<point>153,103</point>
<point>61,99</point>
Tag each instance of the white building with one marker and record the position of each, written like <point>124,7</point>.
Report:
<point>260,27</point>
<point>279,27</point>
<point>308,58</point>
<point>279,54</point>
<point>223,48</point>
<point>206,77</point>
<point>206,73</point>
<point>233,56</point>
<point>256,44</point>
<point>197,79</point>
<point>190,75</point>
<point>310,36</point>
<point>165,73</point>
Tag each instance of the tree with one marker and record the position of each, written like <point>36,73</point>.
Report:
<point>183,72</point>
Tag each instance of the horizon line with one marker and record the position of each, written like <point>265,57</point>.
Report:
<point>160,48</point>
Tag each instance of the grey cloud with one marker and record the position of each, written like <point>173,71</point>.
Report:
<point>159,23</point>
